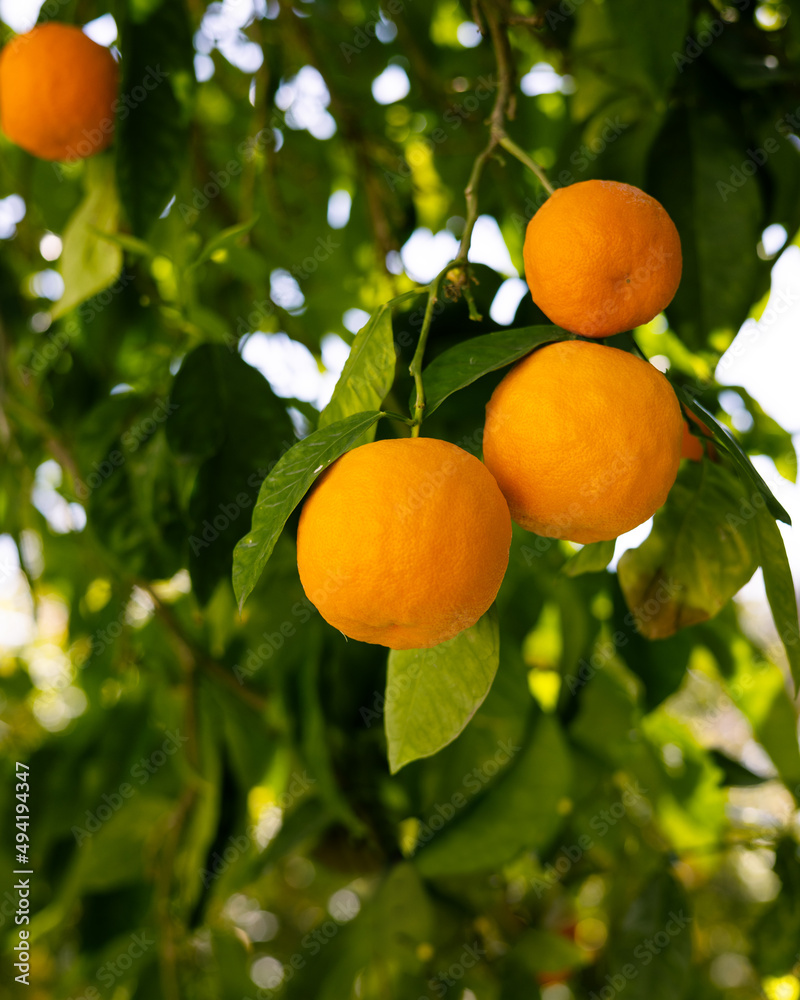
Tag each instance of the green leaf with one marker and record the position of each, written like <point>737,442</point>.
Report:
<point>650,952</point>
<point>431,694</point>
<point>282,491</point>
<point>592,558</point>
<point>758,689</point>
<point>734,773</point>
<point>237,438</point>
<point>222,240</point>
<point>780,589</point>
<point>719,224</point>
<point>541,951</point>
<point>465,363</point>
<point>152,141</point>
<point>702,550</point>
<point>88,264</point>
<point>723,437</point>
<point>368,372</point>
<point>521,812</point>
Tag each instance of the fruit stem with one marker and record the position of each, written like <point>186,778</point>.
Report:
<point>510,146</point>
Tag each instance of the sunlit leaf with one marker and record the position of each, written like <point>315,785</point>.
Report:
<point>431,694</point>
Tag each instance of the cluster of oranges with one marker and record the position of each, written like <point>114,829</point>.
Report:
<point>405,542</point>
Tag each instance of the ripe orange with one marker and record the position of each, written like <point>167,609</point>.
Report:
<point>404,542</point>
<point>602,257</point>
<point>584,440</point>
<point>58,91</point>
<point>693,447</point>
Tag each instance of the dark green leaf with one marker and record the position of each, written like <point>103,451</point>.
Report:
<point>463,364</point>
<point>703,548</point>
<point>780,588</point>
<point>723,437</point>
<point>520,812</point>
<point>284,488</point>
<point>431,694</point>
<point>719,222</point>
<point>592,558</point>
<point>152,139</point>
<point>734,773</point>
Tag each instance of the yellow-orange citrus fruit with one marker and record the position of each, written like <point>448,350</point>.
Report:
<point>691,447</point>
<point>602,257</point>
<point>57,92</point>
<point>584,440</point>
<point>404,542</point>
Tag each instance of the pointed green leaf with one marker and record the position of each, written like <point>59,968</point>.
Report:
<point>703,548</point>
<point>431,694</point>
<point>282,491</point>
<point>465,363</point>
<point>222,240</point>
<point>519,813</point>
<point>152,140</point>
<point>780,589</point>
<point>592,558</point>
<point>368,372</point>
<point>88,263</point>
<point>723,437</point>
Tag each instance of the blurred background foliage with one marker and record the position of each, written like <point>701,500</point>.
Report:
<point>212,812</point>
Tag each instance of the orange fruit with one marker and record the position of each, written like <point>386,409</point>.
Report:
<point>693,447</point>
<point>404,542</point>
<point>58,92</point>
<point>584,440</point>
<point>602,257</point>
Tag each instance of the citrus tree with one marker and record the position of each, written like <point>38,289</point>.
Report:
<point>447,758</point>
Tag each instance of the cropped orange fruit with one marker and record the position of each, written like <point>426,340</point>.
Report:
<point>404,542</point>
<point>58,90</point>
<point>584,440</point>
<point>602,257</point>
<point>693,447</point>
